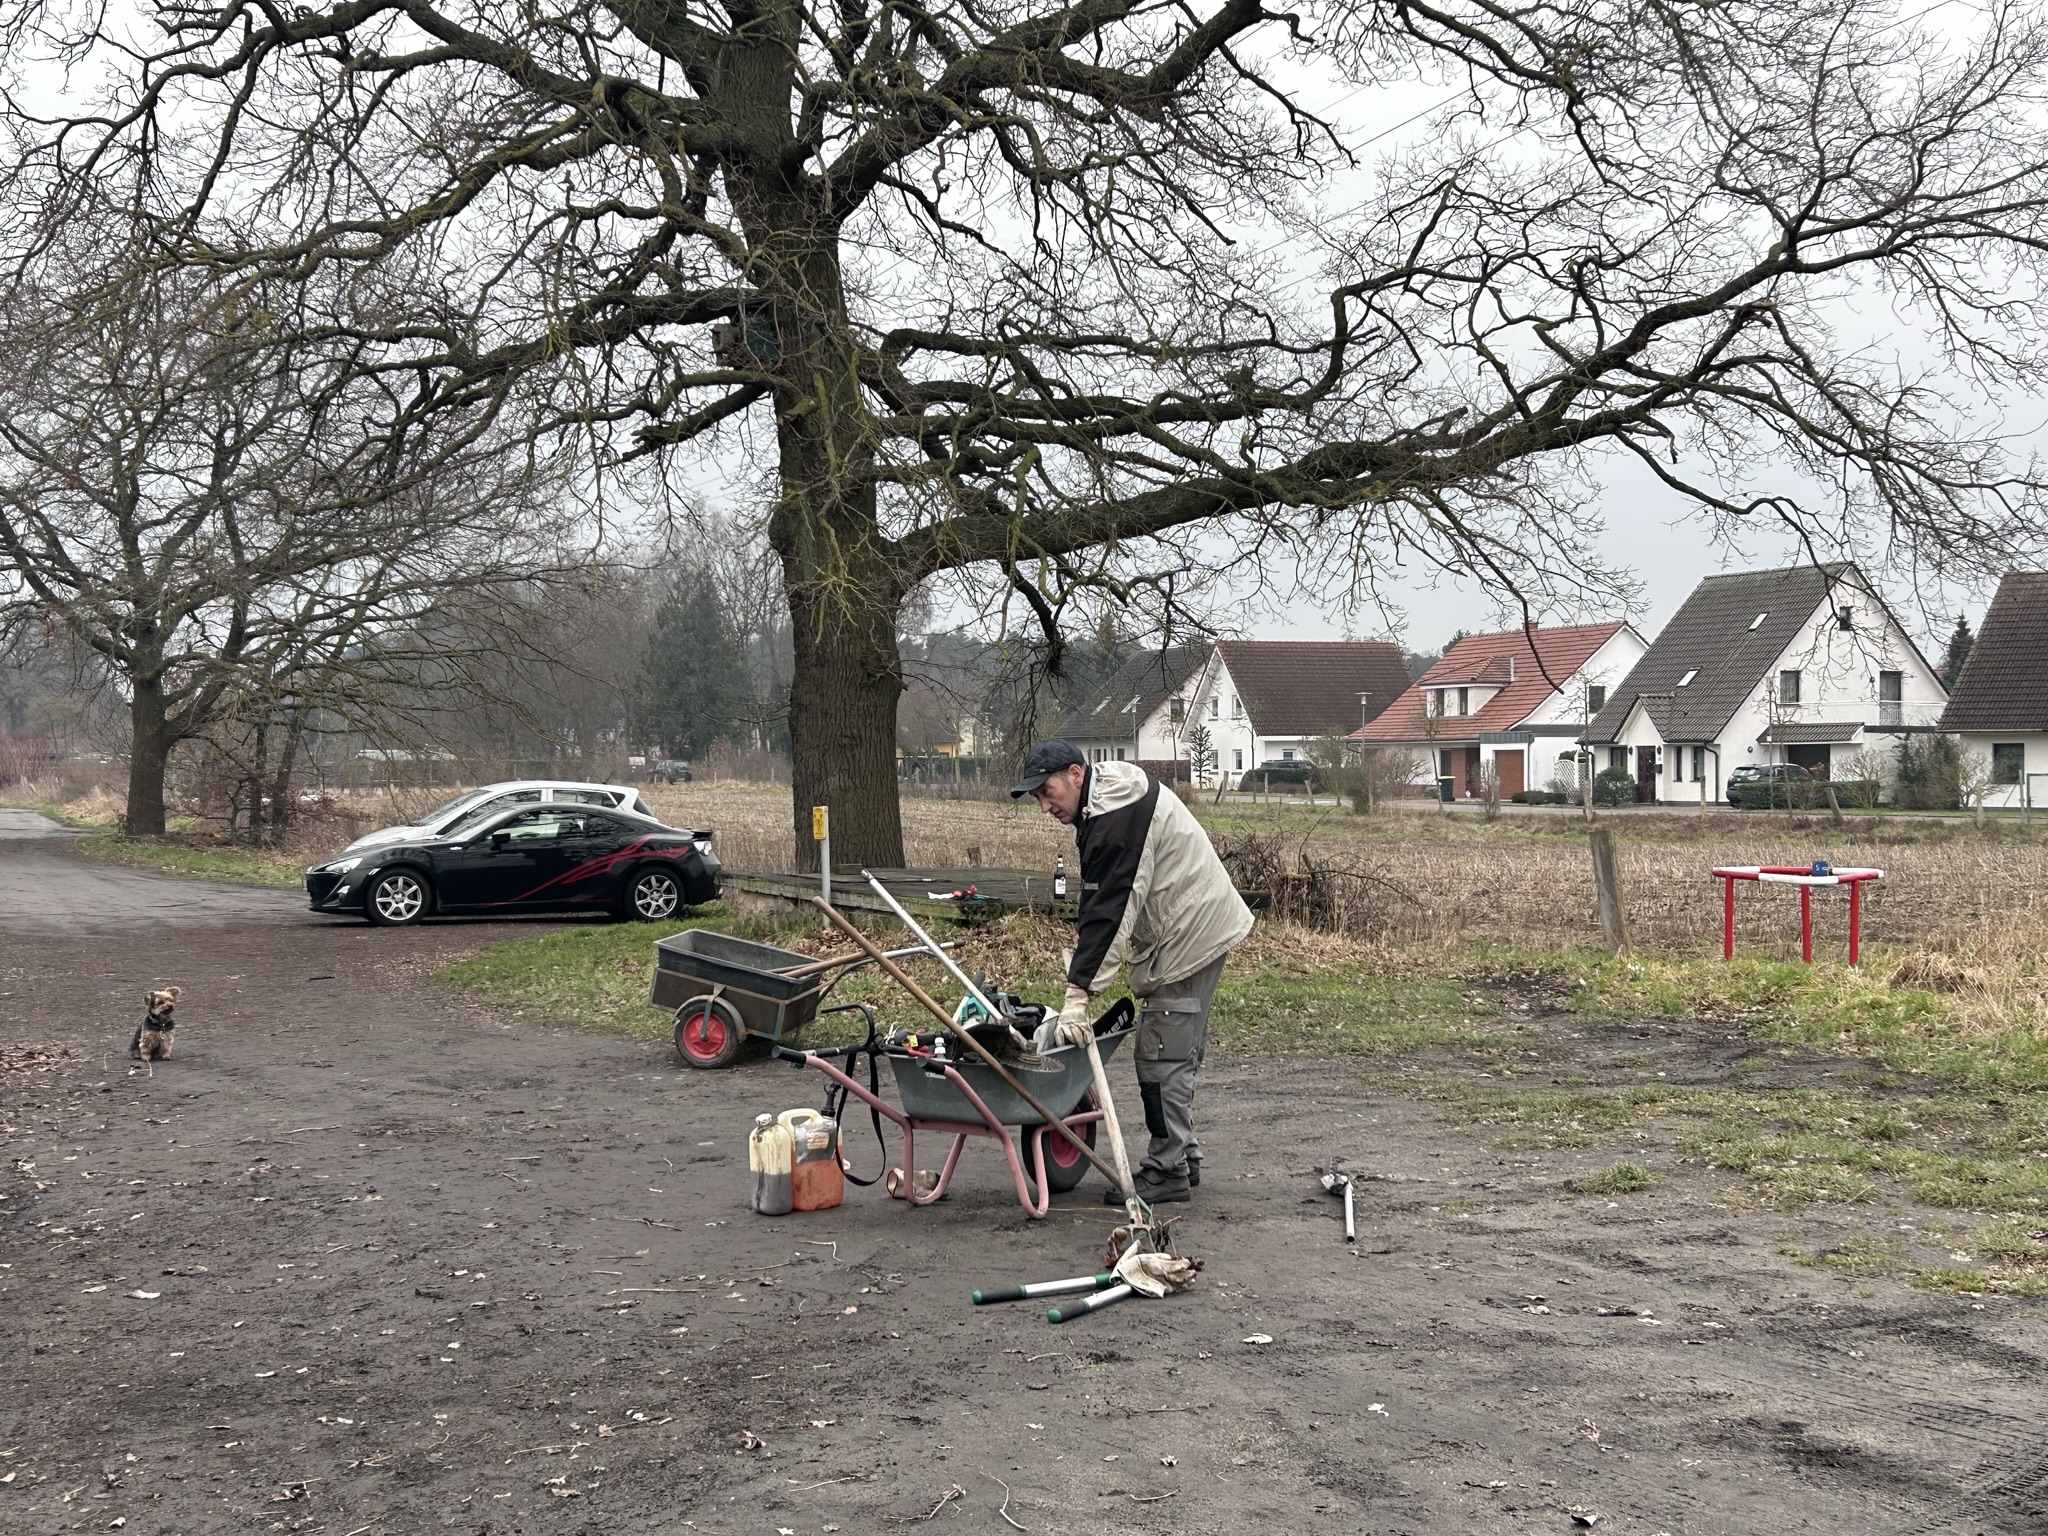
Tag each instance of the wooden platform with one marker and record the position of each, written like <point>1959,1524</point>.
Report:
<point>928,894</point>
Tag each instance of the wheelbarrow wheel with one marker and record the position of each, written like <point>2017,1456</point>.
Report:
<point>1065,1167</point>
<point>709,1034</point>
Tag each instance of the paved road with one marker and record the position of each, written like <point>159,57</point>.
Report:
<point>44,889</point>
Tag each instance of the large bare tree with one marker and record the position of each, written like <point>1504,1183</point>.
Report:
<point>1031,289</point>
<point>235,516</point>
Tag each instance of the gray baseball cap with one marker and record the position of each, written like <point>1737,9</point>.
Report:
<point>1045,759</point>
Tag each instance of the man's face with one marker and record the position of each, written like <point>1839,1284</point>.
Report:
<point>1060,795</point>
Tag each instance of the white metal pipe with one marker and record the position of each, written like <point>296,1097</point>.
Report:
<point>934,946</point>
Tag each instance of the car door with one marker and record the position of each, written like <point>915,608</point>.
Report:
<point>584,869</point>
<point>498,863</point>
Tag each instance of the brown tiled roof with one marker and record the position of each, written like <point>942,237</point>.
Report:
<point>1148,676</point>
<point>1485,659</point>
<point>2004,686</point>
<point>1311,687</point>
<point>1711,637</point>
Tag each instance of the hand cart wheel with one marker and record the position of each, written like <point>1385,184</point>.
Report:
<point>1064,1167</point>
<point>709,1034</point>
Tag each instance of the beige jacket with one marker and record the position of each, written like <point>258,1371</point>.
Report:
<point>1153,893</point>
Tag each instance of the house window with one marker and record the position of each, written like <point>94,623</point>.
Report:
<point>2008,761</point>
<point>1236,707</point>
<point>1119,754</point>
<point>1287,756</point>
<point>1464,701</point>
<point>1177,709</point>
<point>1788,686</point>
<point>1596,699</point>
<point>1237,759</point>
<point>1757,623</point>
<point>1683,681</point>
<point>1215,707</point>
<point>1617,757</point>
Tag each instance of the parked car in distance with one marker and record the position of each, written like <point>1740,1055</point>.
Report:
<point>670,770</point>
<point>1283,773</point>
<point>483,800</point>
<point>554,856</point>
<point>1767,784</point>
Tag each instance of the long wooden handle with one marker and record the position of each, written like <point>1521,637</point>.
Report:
<point>1116,1131</point>
<point>896,972</point>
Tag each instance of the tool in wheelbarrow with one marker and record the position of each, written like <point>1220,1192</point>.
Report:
<point>1336,1181</point>
<point>1143,1250</point>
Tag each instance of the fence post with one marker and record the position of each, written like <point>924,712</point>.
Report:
<point>1607,886</point>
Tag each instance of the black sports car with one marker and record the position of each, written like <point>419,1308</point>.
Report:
<point>535,858</point>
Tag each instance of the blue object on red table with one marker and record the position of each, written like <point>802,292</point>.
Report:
<point>1822,867</point>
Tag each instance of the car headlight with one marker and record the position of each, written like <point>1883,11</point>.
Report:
<point>702,845</point>
<point>339,866</point>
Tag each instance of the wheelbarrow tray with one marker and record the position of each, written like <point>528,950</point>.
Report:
<point>752,977</point>
<point>1060,1083</point>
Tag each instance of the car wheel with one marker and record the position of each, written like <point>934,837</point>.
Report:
<point>708,1033</point>
<point>653,895</point>
<point>397,899</point>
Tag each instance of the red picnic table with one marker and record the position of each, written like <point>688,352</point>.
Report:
<point>1806,878</point>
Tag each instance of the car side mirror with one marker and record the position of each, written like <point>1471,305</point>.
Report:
<point>500,838</point>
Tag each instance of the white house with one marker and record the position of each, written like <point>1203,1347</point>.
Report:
<point>1805,665</point>
<point>1259,701</point>
<point>1269,701</point>
<point>1999,710</point>
<point>1514,703</point>
<point>1139,714</point>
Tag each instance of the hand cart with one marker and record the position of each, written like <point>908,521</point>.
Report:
<point>725,991</point>
<point>963,1098</point>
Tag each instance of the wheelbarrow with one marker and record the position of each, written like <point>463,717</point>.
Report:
<point>726,991</point>
<point>963,1098</point>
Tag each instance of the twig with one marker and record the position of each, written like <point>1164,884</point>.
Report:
<point>1056,1355</point>
<point>1003,1509</point>
<point>952,1493</point>
<point>305,1128</point>
<point>358,1531</point>
<point>1150,1498</point>
<point>1169,1408</point>
<point>819,1242</point>
<point>854,1477</point>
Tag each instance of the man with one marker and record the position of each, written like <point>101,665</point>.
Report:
<point>1153,893</point>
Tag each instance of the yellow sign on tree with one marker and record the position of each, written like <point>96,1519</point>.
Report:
<point>818,823</point>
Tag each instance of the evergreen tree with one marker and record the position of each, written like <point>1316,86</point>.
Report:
<point>1959,643</point>
<point>693,678</point>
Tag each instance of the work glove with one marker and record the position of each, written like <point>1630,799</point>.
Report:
<point>1073,1027</point>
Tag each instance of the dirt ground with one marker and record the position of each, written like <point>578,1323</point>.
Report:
<point>366,1259</point>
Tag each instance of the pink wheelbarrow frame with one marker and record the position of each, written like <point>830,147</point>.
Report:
<point>1806,880</point>
<point>1055,1166</point>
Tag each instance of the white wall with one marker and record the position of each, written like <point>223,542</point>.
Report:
<point>1230,732</point>
<point>1977,751</point>
<point>1606,668</point>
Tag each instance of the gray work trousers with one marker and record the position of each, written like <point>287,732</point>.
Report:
<point>1173,1035</point>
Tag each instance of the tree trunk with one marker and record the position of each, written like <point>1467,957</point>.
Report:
<point>842,724</point>
<point>149,750</point>
<point>280,815</point>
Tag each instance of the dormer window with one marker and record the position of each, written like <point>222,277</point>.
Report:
<point>1132,705</point>
<point>1695,672</point>
<point>1757,623</point>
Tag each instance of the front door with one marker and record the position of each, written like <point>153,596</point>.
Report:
<point>1472,771</point>
<point>1646,775</point>
<point>1508,765</point>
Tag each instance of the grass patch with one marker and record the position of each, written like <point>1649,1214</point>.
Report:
<point>1622,1179</point>
<point>1857,1256</point>
<point>1873,1010</point>
<point>173,855</point>
<point>1285,991</point>
<point>1998,1280</point>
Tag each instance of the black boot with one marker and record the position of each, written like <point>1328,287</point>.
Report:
<point>1153,1189</point>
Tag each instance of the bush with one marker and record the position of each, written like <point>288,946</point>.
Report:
<point>1614,786</point>
<point>1540,797</point>
<point>1929,776</point>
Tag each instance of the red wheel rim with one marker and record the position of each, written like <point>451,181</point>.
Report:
<point>703,1034</point>
<point>1060,1152</point>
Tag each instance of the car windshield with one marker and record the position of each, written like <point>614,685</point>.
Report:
<point>471,820</point>
<point>451,806</point>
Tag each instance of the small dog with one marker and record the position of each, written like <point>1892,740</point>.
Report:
<point>152,1040</point>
